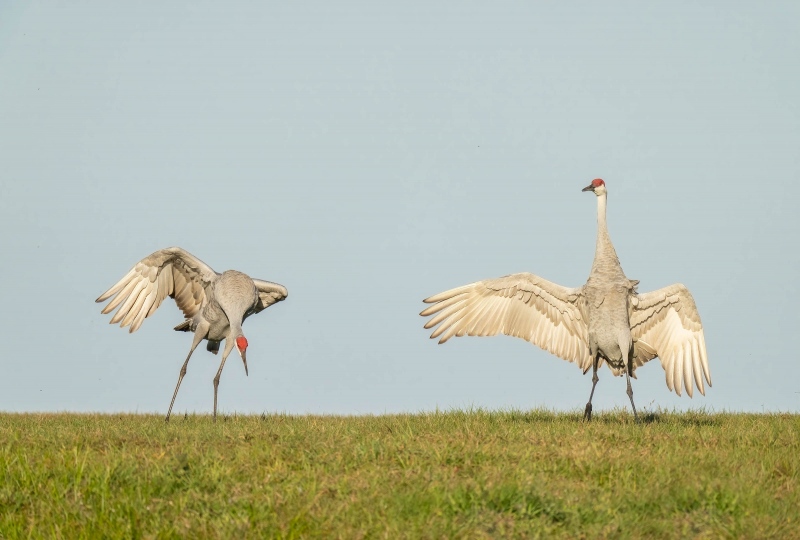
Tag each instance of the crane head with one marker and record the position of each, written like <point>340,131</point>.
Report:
<point>597,186</point>
<point>241,346</point>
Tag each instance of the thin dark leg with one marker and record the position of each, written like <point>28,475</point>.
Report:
<point>195,342</point>
<point>630,395</point>
<point>216,381</point>
<point>587,415</point>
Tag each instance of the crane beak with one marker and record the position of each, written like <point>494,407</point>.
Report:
<point>244,359</point>
<point>590,187</point>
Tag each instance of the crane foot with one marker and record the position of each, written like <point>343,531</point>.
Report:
<point>587,414</point>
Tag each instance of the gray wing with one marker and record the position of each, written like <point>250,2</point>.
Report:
<point>520,305</point>
<point>665,323</point>
<point>171,272</point>
<point>269,293</point>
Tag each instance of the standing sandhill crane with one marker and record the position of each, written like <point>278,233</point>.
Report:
<point>604,320</point>
<point>215,305</point>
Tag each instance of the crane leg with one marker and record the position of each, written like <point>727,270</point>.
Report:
<point>225,353</point>
<point>195,342</point>
<point>630,395</point>
<point>587,414</point>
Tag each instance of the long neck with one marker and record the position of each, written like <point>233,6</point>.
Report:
<point>236,326</point>
<point>605,258</point>
<point>235,319</point>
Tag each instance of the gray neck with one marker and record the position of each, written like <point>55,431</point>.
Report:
<point>603,239</point>
<point>236,328</point>
<point>605,258</point>
<point>234,322</point>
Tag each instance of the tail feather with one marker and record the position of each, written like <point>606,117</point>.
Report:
<point>185,326</point>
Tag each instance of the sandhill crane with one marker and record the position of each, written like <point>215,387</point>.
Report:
<point>605,320</point>
<point>215,305</point>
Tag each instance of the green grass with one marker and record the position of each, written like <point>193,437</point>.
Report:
<point>469,474</point>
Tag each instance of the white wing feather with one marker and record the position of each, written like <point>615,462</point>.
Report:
<point>269,293</point>
<point>520,305</point>
<point>170,272</point>
<point>665,323</point>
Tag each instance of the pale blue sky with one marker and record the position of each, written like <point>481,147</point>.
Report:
<point>367,155</point>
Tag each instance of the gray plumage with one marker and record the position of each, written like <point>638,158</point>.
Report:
<point>606,320</point>
<point>215,305</point>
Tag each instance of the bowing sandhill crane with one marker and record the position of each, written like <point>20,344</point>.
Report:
<point>606,320</point>
<point>215,305</point>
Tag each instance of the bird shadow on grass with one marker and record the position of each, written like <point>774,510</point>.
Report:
<point>650,417</point>
<point>690,418</point>
<point>683,419</point>
<point>695,420</point>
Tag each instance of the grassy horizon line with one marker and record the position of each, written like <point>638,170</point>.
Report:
<point>615,411</point>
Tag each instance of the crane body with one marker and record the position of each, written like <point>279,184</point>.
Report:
<point>605,320</point>
<point>214,305</point>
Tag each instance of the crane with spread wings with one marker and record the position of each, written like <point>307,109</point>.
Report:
<point>215,305</point>
<point>604,321</point>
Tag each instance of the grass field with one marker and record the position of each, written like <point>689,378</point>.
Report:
<point>469,474</point>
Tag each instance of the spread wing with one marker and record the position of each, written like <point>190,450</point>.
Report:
<point>169,272</point>
<point>665,323</point>
<point>269,293</point>
<point>520,305</point>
